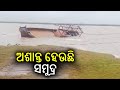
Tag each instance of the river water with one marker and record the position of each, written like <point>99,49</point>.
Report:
<point>103,39</point>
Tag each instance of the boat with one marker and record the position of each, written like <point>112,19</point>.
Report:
<point>61,31</point>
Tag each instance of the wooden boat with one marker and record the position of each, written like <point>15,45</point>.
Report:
<point>61,31</point>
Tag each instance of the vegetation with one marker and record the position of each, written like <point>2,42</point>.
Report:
<point>88,65</point>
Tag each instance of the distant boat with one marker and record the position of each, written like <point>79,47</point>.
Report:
<point>61,31</point>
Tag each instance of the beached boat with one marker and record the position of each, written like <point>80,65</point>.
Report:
<point>61,31</point>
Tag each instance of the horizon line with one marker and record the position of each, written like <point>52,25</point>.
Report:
<point>60,23</point>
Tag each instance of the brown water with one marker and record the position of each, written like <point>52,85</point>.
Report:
<point>104,39</point>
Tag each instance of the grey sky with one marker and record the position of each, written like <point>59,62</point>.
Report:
<point>95,17</point>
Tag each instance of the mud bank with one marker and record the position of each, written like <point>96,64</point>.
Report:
<point>15,70</point>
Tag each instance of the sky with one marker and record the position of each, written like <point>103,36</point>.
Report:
<point>86,17</point>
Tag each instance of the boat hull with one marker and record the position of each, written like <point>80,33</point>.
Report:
<point>43,32</point>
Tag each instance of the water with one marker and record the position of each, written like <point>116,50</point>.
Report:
<point>104,39</point>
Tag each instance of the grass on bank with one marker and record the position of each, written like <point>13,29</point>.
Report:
<point>88,65</point>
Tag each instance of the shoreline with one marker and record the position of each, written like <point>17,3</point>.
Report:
<point>116,56</point>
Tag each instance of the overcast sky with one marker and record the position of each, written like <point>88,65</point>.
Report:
<point>94,17</point>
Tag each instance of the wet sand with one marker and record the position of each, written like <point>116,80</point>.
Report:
<point>15,70</point>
